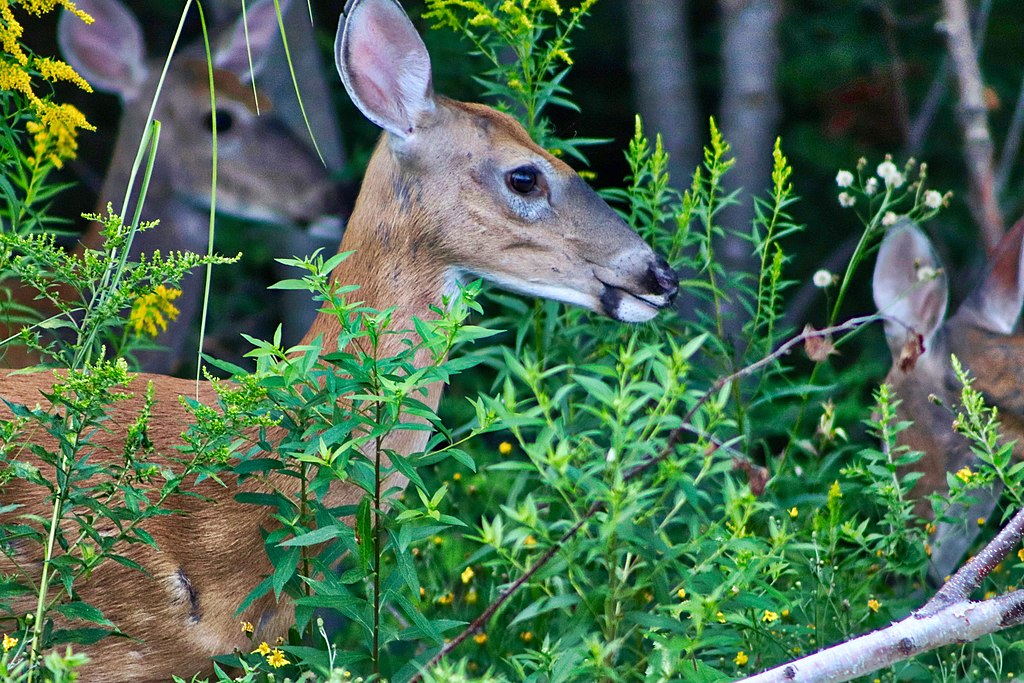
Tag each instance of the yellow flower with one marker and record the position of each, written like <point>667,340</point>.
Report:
<point>504,448</point>
<point>472,596</point>
<point>277,659</point>
<point>263,649</point>
<point>964,474</point>
<point>741,658</point>
<point>423,592</point>
<point>834,492</point>
<point>480,638</point>
<point>1020,554</point>
<point>720,616</point>
<point>785,613</point>
<point>681,593</point>
<point>438,540</point>
<point>989,595</point>
<point>769,616</point>
<point>457,476</point>
<point>873,605</point>
<point>467,575</point>
<point>981,521</point>
<point>446,599</point>
<point>526,636</point>
<point>247,627</point>
<point>9,643</point>
<point>149,310</point>
<point>793,512</point>
<point>530,541</point>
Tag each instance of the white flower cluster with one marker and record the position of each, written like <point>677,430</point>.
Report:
<point>891,175</point>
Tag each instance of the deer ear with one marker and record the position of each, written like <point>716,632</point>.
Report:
<point>910,287</point>
<point>110,53</point>
<point>995,303</point>
<point>254,35</point>
<point>384,65</point>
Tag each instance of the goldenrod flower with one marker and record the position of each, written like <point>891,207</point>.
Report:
<point>720,617</point>
<point>9,643</point>
<point>152,311</point>
<point>769,616</point>
<point>526,636</point>
<point>247,627</point>
<point>741,658</point>
<point>504,448</point>
<point>793,513</point>
<point>681,593</point>
<point>530,541</point>
<point>467,575</point>
<point>1020,554</point>
<point>263,649</point>
<point>480,638</point>
<point>964,474</point>
<point>438,540</point>
<point>873,605</point>
<point>446,599</point>
<point>277,659</point>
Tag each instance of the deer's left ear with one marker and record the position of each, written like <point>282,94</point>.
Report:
<point>995,304</point>
<point>384,65</point>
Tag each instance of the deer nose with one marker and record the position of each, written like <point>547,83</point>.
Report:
<point>662,280</point>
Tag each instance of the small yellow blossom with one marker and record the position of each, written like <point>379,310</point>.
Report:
<point>263,649</point>
<point>530,541</point>
<point>873,605</point>
<point>741,658</point>
<point>526,636</point>
<point>1020,554</point>
<point>9,643</point>
<point>152,311</point>
<point>423,592</point>
<point>446,599</point>
<point>989,595</point>
<point>964,474</point>
<point>981,521</point>
<point>480,638</point>
<point>927,548</point>
<point>457,476</point>
<point>930,528</point>
<point>438,540</point>
<point>681,593</point>
<point>277,659</point>
<point>472,596</point>
<point>793,512</point>
<point>769,616</point>
<point>785,613</point>
<point>720,616</point>
<point>834,492</point>
<point>247,627</point>
<point>504,448</point>
<point>468,575</point>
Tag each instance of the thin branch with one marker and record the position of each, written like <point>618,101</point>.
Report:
<point>674,438</point>
<point>974,124</point>
<point>949,617</point>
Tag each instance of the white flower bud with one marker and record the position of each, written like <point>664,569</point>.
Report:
<point>822,279</point>
<point>889,219</point>
<point>846,200</point>
<point>844,179</point>
<point>932,199</point>
<point>871,186</point>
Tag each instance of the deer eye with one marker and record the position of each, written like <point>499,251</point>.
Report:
<point>224,120</point>
<point>523,180</point>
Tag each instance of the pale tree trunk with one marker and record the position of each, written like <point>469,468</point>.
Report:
<point>748,119</point>
<point>661,64</point>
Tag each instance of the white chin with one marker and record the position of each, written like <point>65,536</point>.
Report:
<point>633,310</point>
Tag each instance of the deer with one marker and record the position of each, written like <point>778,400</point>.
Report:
<point>453,192</point>
<point>296,191</point>
<point>911,290</point>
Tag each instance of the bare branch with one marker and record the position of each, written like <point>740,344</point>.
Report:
<point>974,123</point>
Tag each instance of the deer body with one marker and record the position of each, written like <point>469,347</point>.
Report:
<point>911,288</point>
<point>453,191</point>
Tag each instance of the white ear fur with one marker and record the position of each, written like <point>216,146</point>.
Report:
<point>384,65</point>
<point>109,53</point>
<point>261,22</point>
<point>995,304</point>
<point>909,285</point>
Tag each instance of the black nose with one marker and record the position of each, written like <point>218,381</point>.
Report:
<point>661,279</point>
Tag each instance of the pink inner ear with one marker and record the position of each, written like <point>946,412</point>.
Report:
<point>375,64</point>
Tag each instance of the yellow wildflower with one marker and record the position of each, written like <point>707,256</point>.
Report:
<point>551,6</point>
<point>277,659</point>
<point>467,575</point>
<point>873,605</point>
<point>505,447</point>
<point>55,70</point>
<point>741,658</point>
<point>989,595</point>
<point>457,476</point>
<point>681,593</point>
<point>263,649</point>
<point>793,512</point>
<point>247,627</point>
<point>769,616</point>
<point>526,636</point>
<point>964,474</point>
<point>1020,554</point>
<point>785,613</point>
<point>472,596</point>
<point>9,643</point>
<point>438,540</point>
<point>560,53</point>
<point>981,521</point>
<point>720,617</point>
<point>149,310</point>
<point>446,599</point>
<point>834,492</point>
<point>480,638</point>
<point>423,592</point>
<point>530,541</point>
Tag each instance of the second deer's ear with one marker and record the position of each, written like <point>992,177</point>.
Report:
<point>995,303</point>
<point>909,285</point>
<point>384,65</point>
<point>255,36</point>
<point>109,53</point>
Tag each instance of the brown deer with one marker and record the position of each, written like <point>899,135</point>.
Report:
<point>911,289</point>
<point>453,191</point>
<point>295,191</point>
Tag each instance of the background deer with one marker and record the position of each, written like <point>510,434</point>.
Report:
<point>294,192</point>
<point>453,191</point>
<point>982,334</point>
